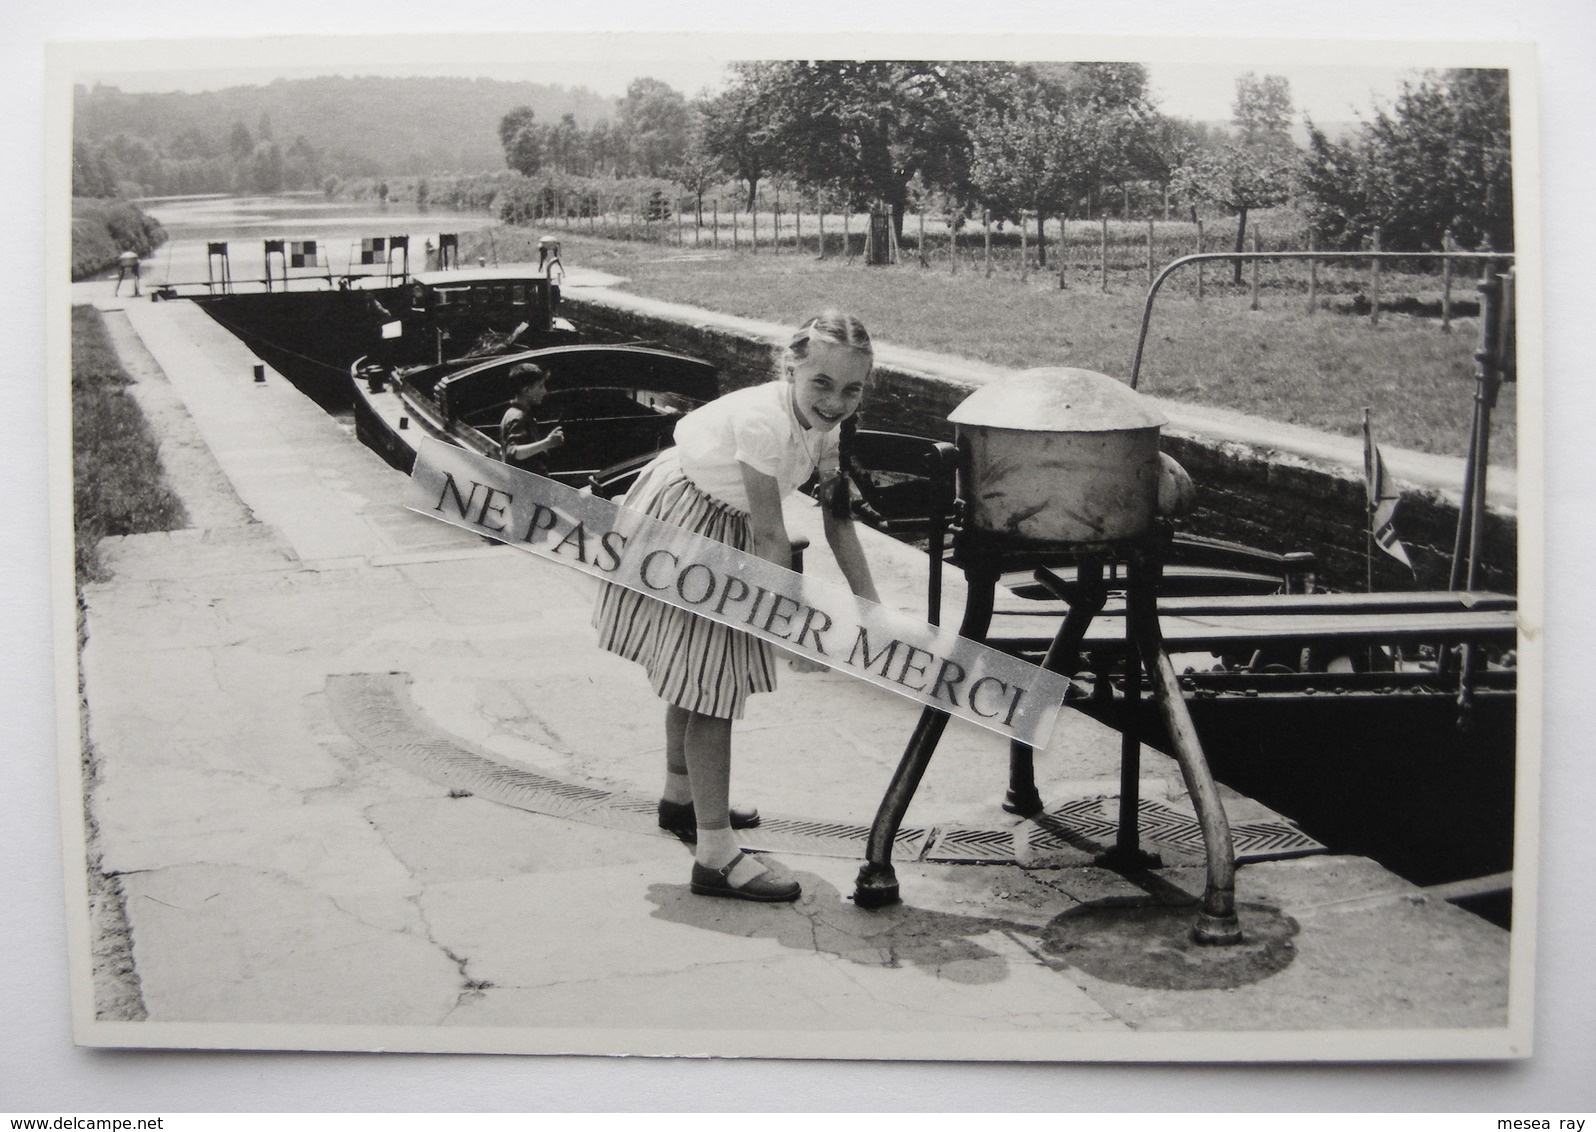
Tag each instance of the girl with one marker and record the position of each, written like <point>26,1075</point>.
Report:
<point>734,461</point>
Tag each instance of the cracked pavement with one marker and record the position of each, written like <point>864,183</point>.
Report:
<point>283,887</point>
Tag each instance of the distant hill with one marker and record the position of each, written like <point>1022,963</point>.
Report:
<point>361,126</point>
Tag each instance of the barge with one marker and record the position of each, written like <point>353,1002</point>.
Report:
<point>1384,724</point>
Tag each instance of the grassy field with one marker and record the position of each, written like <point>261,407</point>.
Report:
<point>118,486</point>
<point>1278,362</point>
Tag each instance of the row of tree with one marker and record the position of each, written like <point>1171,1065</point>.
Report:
<point>243,162</point>
<point>295,133</point>
<point>1045,140</point>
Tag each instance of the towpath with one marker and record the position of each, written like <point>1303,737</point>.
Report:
<point>361,772</point>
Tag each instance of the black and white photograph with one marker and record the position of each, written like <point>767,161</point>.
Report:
<point>944,548</point>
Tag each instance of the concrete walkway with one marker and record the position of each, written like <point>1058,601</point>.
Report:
<point>285,863</point>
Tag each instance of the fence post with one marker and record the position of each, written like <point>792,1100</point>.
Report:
<point>954,222</point>
<point>923,261</point>
<point>1255,242</point>
<point>1313,275</point>
<point>1374,283</point>
<point>1446,283</point>
<point>1063,253</point>
<point>820,218</point>
<point>753,226</point>
<point>986,232</point>
<point>735,244</point>
<point>1200,265</point>
<point>1149,251</point>
<point>1102,251</point>
<point>798,226</point>
<point>847,236</point>
<point>1025,252</point>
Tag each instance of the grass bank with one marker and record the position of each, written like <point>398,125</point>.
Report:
<point>118,484</point>
<point>1278,362</point>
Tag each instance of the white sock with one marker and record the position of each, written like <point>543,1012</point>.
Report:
<point>716,847</point>
<point>677,788</point>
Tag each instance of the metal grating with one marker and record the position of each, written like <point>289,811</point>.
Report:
<point>1097,819</point>
<point>827,839</point>
<point>972,845</point>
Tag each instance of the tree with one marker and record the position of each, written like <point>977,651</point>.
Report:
<point>1442,159</point>
<point>240,143</point>
<point>266,169</point>
<point>91,177</point>
<point>1241,179</point>
<point>565,145</point>
<point>738,125</point>
<point>1262,110</point>
<point>868,127</point>
<point>301,164</point>
<point>522,139</point>
<point>1028,143</point>
<point>606,149</point>
<point>1438,159</point>
<point>1043,137</point>
<point>1164,144</point>
<point>699,168</point>
<point>655,120</point>
<point>1257,168</point>
<point>1337,198</point>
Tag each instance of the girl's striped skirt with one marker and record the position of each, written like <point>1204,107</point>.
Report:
<point>691,662</point>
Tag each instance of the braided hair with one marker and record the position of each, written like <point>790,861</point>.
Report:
<point>841,329</point>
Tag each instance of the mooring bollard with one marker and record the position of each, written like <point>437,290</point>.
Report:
<point>260,375</point>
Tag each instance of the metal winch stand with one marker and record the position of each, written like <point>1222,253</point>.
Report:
<point>983,564</point>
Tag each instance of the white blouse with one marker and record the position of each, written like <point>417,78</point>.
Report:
<point>757,427</point>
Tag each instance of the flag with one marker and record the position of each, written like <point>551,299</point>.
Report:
<point>303,253</point>
<point>1383,498</point>
<point>374,250</point>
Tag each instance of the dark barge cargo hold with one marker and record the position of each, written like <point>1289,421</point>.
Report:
<point>614,404</point>
<point>313,336</point>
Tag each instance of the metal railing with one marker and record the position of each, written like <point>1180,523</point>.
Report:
<point>1485,258</point>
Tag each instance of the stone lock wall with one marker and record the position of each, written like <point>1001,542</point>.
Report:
<point>1274,500</point>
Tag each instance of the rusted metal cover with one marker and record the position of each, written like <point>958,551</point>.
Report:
<point>1059,455</point>
<point>1058,399</point>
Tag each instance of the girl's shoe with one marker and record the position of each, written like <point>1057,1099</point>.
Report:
<point>679,817</point>
<point>766,888</point>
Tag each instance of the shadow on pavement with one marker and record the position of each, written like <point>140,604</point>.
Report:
<point>943,945</point>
